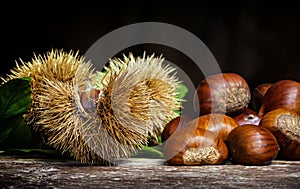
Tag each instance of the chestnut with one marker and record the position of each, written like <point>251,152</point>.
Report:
<point>282,94</point>
<point>285,126</point>
<point>194,146</point>
<point>173,125</point>
<point>248,117</point>
<point>225,93</point>
<point>252,145</point>
<point>258,95</point>
<point>89,98</point>
<point>219,124</point>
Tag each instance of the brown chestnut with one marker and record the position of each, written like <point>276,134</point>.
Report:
<point>223,93</point>
<point>89,98</point>
<point>258,95</point>
<point>252,145</point>
<point>285,126</point>
<point>194,146</point>
<point>248,117</point>
<point>173,125</point>
<point>219,124</point>
<point>282,94</point>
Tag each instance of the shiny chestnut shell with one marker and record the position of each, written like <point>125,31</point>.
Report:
<point>282,94</point>
<point>173,125</point>
<point>223,93</point>
<point>219,124</point>
<point>252,145</point>
<point>258,95</point>
<point>248,117</point>
<point>88,99</point>
<point>285,126</point>
<point>194,146</point>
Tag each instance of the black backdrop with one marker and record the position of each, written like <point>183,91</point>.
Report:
<point>257,40</point>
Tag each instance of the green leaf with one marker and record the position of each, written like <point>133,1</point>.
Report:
<point>18,137</point>
<point>181,90</point>
<point>8,126</point>
<point>14,98</point>
<point>14,102</point>
<point>26,78</point>
<point>154,152</point>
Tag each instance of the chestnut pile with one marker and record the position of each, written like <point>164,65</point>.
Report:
<point>248,128</point>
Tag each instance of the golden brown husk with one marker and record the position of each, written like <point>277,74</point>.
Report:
<point>141,94</point>
<point>137,97</point>
<point>52,113</point>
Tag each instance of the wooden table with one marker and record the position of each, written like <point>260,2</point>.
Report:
<point>18,172</point>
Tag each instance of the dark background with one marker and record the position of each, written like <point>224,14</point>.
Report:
<point>258,40</point>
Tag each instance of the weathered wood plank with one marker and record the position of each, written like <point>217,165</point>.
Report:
<point>144,173</point>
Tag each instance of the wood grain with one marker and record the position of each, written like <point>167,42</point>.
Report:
<point>144,173</point>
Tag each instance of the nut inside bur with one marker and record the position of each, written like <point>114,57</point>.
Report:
<point>205,155</point>
<point>289,125</point>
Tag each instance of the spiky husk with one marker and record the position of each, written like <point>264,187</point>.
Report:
<point>54,112</point>
<point>138,93</point>
<point>53,66</point>
<point>137,97</point>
